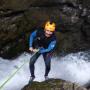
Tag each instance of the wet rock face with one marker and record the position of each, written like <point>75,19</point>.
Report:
<point>53,85</point>
<point>19,17</point>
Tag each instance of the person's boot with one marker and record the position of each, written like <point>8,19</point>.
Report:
<point>46,78</point>
<point>31,79</point>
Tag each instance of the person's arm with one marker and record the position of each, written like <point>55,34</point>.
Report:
<point>50,47</point>
<point>32,36</point>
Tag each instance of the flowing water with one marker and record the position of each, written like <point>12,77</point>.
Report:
<point>73,67</point>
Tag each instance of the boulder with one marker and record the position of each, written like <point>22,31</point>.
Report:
<point>53,84</point>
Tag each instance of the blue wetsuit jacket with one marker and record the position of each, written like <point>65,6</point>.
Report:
<point>42,50</point>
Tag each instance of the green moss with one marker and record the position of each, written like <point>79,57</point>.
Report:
<point>53,84</point>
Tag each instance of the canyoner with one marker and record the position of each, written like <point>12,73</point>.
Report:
<point>44,40</point>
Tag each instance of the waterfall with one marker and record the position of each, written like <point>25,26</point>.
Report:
<point>74,67</point>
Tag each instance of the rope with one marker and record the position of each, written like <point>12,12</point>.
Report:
<point>13,74</point>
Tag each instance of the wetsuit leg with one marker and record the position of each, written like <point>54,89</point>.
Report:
<point>31,64</point>
<point>47,60</point>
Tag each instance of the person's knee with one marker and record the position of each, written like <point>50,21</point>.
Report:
<point>48,65</point>
<point>31,63</point>
<point>48,68</point>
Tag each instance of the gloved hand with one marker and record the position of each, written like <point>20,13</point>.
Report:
<point>33,50</point>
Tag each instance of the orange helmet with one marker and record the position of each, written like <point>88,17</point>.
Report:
<point>50,26</point>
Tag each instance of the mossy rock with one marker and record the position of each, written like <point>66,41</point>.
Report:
<point>53,84</point>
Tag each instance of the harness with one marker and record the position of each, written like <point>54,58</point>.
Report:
<point>41,40</point>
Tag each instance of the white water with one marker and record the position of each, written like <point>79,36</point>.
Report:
<point>73,67</point>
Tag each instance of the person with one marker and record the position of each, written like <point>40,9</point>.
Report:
<point>45,41</point>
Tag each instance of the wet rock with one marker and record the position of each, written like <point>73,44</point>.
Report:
<point>53,85</point>
<point>19,18</point>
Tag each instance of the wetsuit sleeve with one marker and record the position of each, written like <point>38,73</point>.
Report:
<point>32,36</point>
<point>50,47</point>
